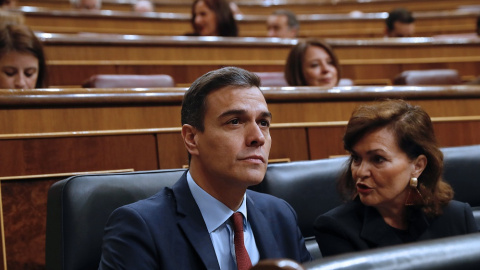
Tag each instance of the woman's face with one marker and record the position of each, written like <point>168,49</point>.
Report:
<point>18,71</point>
<point>205,20</point>
<point>382,171</point>
<point>318,68</point>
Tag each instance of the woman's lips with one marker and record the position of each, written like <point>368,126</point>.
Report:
<point>362,188</point>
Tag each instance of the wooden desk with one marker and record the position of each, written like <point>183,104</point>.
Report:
<point>186,58</point>
<point>50,134</point>
<point>313,25</point>
<point>266,7</point>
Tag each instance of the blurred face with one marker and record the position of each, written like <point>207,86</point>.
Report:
<point>402,30</point>
<point>205,20</point>
<point>18,70</point>
<point>233,149</point>
<point>382,171</point>
<point>277,26</point>
<point>318,68</point>
<point>143,6</point>
<point>88,4</point>
<point>9,3</point>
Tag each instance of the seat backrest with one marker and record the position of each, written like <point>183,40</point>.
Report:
<point>78,209</point>
<point>457,252</point>
<point>128,81</point>
<point>272,78</point>
<point>462,172</point>
<point>428,77</point>
<point>308,186</point>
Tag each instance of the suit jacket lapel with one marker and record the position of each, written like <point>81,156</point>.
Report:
<point>191,222</point>
<point>264,238</point>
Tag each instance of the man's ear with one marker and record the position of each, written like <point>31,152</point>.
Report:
<point>189,138</point>
<point>420,164</point>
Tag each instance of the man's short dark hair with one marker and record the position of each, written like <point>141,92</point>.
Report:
<point>194,100</point>
<point>398,15</point>
<point>292,21</point>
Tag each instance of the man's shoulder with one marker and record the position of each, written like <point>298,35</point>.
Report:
<point>162,199</point>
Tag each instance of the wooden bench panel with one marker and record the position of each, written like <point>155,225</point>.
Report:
<point>173,24</point>
<point>264,8</point>
<point>185,59</point>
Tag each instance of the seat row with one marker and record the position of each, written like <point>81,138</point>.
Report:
<point>79,206</point>
<point>269,79</point>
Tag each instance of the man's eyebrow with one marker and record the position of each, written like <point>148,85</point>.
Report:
<point>232,112</point>
<point>265,114</point>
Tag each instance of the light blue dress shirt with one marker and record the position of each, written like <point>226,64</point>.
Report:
<point>216,216</point>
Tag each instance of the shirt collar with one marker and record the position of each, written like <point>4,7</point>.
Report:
<point>214,212</point>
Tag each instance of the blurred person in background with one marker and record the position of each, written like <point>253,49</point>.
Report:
<point>143,6</point>
<point>22,60</point>
<point>282,23</point>
<point>86,4</point>
<point>312,62</point>
<point>7,4</point>
<point>400,23</point>
<point>213,18</point>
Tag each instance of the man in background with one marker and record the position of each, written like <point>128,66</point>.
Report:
<point>400,23</point>
<point>283,24</point>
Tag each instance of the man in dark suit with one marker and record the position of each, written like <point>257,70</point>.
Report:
<point>225,128</point>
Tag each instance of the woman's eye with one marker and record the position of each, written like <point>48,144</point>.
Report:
<point>355,159</point>
<point>29,74</point>
<point>378,159</point>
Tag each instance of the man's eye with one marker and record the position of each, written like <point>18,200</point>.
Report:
<point>234,121</point>
<point>265,123</point>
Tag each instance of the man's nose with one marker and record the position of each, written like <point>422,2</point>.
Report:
<point>255,136</point>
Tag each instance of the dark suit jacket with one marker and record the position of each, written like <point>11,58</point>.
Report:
<point>167,231</point>
<point>354,227</point>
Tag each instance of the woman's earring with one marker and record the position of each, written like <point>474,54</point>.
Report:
<point>413,182</point>
<point>414,197</point>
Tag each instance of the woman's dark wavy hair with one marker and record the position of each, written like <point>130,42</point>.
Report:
<point>414,134</point>
<point>19,38</point>
<point>294,65</point>
<point>226,24</point>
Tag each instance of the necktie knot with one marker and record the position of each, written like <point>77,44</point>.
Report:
<point>241,254</point>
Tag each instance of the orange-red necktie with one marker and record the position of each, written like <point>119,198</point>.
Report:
<point>243,260</point>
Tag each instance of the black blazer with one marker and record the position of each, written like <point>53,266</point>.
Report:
<point>167,231</point>
<point>354,227</point>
